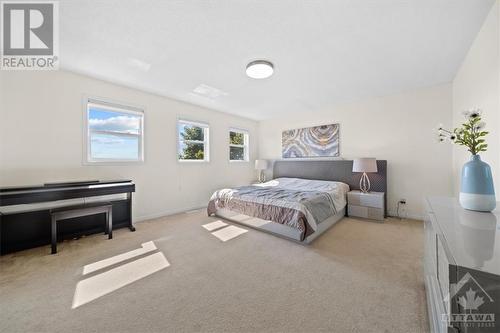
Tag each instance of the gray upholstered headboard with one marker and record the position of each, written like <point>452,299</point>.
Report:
<point>336,170</point>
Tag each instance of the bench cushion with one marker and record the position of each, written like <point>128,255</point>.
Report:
<point>83,206</point>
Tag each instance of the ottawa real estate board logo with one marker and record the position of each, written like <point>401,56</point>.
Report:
<point>29,35</point>
<point>472,300</point>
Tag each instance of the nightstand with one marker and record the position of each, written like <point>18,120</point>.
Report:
<point>369,205</point>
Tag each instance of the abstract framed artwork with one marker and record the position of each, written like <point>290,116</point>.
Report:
<point>317,141</point>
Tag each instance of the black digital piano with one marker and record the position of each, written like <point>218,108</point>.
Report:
<point>25,220</point>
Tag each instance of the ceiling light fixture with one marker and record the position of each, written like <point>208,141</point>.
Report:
<point>260,69</point>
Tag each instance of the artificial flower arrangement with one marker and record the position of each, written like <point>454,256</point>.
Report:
<point>477,190</point>
<point>470,134</point>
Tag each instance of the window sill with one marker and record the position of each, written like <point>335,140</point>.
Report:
<point>111,162</point>
<point>193,161</point>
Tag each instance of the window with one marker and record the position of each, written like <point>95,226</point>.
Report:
<point>114,133</point>
<point>192,141</point>
<point>238,145</point>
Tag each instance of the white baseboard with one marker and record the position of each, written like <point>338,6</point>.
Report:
<point>188,210</point>
<point>409,215</point>
<point>167,213</point>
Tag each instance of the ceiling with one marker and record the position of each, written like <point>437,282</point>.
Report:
<point>324,52</point>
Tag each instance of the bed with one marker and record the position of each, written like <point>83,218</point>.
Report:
<point>303,200</point>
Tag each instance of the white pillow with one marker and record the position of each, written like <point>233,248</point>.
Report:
<point>308,184</point>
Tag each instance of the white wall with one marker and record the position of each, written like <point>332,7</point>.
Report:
<point>398,128</point>
<point>41,134</point>
<point>41,140</point>
<point>477,84</point>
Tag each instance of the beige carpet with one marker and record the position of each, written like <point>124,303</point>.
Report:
<point>359,276</point>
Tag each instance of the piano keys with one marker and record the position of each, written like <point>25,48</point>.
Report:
<point>25,217</point>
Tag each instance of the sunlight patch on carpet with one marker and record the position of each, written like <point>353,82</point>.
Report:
<point>214,225</point>
<point>146,247</point>
<point>228,233</point>
<point>101,284</point>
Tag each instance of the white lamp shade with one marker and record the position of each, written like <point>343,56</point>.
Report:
<point>365,164</point>
<point>260,164</point>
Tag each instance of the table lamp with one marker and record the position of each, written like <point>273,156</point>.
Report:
<point>364,165</point>
<point>261,165</point>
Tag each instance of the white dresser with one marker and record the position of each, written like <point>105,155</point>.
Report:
<point>461,267</point>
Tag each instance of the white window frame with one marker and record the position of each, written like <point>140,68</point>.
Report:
<point>205,142</point>
<point>245,145</point>
<point>107,104</point>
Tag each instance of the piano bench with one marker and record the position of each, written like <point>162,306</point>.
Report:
<point>68,212</point>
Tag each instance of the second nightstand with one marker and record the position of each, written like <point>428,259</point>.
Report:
<point>369,205</point>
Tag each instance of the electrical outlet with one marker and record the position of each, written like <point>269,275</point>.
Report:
<point>401,208</point>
